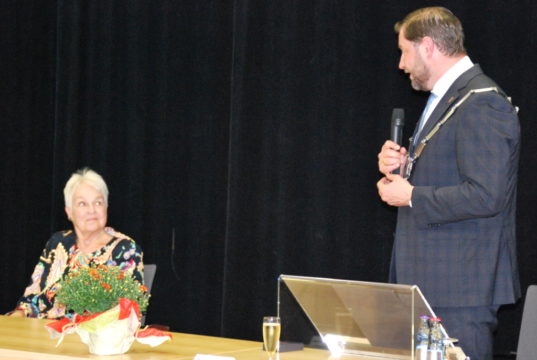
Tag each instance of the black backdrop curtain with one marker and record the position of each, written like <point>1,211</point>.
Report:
<point>238,139</point>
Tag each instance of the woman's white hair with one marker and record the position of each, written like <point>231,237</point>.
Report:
<point>87,176</point>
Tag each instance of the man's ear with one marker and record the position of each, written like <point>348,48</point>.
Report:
<point>428,46</point>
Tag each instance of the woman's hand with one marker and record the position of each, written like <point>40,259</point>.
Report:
<point>17,313</point>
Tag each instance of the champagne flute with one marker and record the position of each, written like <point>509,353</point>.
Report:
<point>271,334</point>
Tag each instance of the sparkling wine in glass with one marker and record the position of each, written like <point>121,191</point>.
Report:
<point>271,334</point>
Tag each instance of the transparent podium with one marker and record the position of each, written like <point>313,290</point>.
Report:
<point>351,317</point>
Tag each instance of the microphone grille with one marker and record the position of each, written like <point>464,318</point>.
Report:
<point>398,116</point>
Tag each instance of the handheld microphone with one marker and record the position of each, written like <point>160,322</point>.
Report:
<point>398,122</point>
<point>396,130</point>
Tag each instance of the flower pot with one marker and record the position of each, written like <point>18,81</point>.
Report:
<point>115,338</point>
<point>110,332</point>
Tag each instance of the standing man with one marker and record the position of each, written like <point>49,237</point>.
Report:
<point>455,235</point>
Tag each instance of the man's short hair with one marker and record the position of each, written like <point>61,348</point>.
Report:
<point>439,24</point>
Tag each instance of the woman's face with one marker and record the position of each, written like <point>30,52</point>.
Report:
<point>88,211</point>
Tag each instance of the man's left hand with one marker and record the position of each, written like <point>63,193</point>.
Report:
<point>394,190</point>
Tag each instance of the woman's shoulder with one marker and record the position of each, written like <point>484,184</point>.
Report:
<point>121,239</point>
<point>65,237</point>
<point>116,234</point>
<point>124,250</point>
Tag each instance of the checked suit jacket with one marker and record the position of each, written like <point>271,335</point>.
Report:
<point>457,242</point>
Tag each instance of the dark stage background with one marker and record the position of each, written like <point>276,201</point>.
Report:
<point>238,139</point>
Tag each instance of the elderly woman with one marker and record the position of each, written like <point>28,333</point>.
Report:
<point>91,242</point>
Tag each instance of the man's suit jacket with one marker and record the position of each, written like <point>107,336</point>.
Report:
<point>457,242</point>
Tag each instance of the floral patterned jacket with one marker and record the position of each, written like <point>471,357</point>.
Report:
<point>60,256</point>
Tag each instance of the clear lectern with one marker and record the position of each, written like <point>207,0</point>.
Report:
<point>351,317</point>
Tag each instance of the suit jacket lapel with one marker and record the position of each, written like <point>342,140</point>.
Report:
<point>455,92</point>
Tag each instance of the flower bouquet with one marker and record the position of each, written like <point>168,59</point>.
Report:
<point>104,306</point>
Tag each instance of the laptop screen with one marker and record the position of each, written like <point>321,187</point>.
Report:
<point>353,317</point>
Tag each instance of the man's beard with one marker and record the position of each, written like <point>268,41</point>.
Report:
<point>420,76</point>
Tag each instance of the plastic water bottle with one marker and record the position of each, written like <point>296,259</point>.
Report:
<point>422,338</point>
<point>436,343</point>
